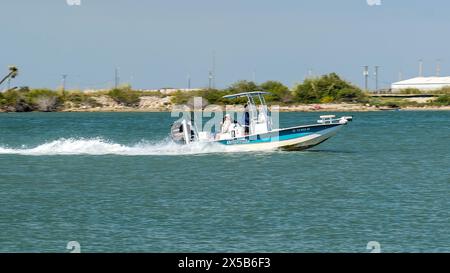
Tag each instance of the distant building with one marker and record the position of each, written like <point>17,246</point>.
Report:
<point>422,83</point>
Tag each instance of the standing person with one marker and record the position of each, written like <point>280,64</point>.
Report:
<point>246,119</point>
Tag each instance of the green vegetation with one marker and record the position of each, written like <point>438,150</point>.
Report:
<point>26,100</point>
<point>325,89</point>
<point>409,91</point>
<point>393,103</point>
<point>80,99</point>
<point>43,100</point>
<point>279,92</point>
<point>445,90</point>
<point>125,96</point>
<point>46,100</point>
<point>443,100</point>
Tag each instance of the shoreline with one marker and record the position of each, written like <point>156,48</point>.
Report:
<point>165,107</point>
<point>292,108</point>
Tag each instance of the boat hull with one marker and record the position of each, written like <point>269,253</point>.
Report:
<point>295,138</point>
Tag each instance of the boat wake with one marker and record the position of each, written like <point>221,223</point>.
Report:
<point>100,146</point>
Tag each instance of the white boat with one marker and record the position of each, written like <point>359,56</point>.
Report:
<point>258,134</point>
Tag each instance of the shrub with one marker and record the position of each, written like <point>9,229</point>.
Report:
<point>124,96</point>
<point>410,91</point>
<point>180,97</point>
<point>81,99</point>
<point>211,96</point>
<point>444,90</point>
<point>46,103</point>
<point>329,88</point>
<point>11,97</point>
<point>243,86</point>
<point>327,99</point>
<point>351,95</point>
<point>15,101</point>
<point>44,100</point>
<point>278,92</point>
<point>443,100</point>
<point>214,96</point>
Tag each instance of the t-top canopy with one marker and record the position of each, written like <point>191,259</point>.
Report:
<point>246,94</point>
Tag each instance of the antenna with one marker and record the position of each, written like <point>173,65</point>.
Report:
<point>400,76</point>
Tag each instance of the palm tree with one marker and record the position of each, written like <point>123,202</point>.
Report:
<point>13,72</point>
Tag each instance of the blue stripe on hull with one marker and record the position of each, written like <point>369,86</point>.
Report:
<point>285,134</point>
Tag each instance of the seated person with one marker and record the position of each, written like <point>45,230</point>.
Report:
<point>226,124</point>
<point>261,115</point>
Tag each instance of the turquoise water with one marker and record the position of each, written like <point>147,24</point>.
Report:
<point>113,182</point>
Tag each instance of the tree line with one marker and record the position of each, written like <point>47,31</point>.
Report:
<point>328,88</point>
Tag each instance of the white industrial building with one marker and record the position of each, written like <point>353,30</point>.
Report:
<point>422,83</point>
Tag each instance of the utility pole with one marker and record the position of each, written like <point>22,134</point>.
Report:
<point>64,77</point>
<point>210,78</point>
<point>376,77</point>
<point>366,77</point>
<point>189,81</point>
<point>438,67</point>
<point>116,77</point>
<point>400,76</point>
<point>214,69</point>
<point>420,68</point>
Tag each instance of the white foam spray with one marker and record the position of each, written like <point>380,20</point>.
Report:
<point>100,146</point>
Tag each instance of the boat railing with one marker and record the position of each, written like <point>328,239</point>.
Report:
<point>331,119</point>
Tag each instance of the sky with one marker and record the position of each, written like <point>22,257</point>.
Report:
<point>162,43</point>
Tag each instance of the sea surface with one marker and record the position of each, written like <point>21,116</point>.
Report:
<point>113,182</point>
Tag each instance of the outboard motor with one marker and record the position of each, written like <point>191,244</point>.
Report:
<point>177,132</point>
<point>181,132</point>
